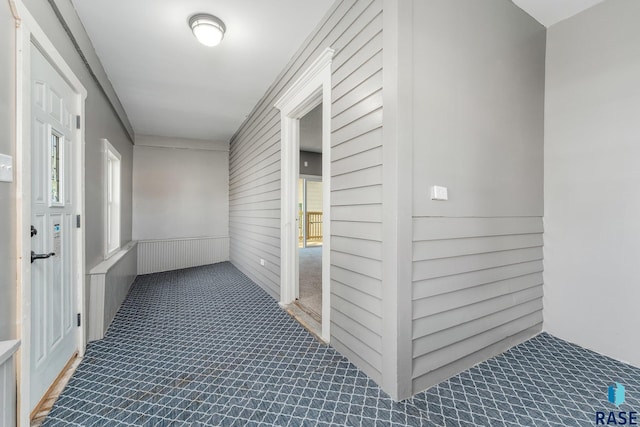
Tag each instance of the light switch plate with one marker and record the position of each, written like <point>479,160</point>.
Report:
<point>6,168</point>
<point>439,193</point>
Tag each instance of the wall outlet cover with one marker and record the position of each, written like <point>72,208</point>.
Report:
<point>6,168</point>
<point>439,193</point>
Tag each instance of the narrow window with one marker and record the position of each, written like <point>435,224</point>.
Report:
<point>112,198</point>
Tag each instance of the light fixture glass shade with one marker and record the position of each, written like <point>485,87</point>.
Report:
<point>208,29</point>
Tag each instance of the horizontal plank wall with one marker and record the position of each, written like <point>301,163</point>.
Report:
<point>155,256</point>
<point>475,282</point>
<point>478,129</point>
<point>354,30</point>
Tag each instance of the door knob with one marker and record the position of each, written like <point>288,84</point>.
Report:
<point>35,256</point>
<point>33,231</point>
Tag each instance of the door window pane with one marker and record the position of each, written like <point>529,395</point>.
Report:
<point>55,166</point>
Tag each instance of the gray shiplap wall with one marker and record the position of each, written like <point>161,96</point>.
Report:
<point>354,29</point>
<point>477,289</point>
<point>478,123</point>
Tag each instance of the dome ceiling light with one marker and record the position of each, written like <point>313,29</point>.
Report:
<point>208,29</point>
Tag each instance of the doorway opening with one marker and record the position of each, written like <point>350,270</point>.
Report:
<point>310,214</point>
<point>311,91</point>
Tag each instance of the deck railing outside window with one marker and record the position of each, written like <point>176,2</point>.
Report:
<point>314,226</point>
<point>313,223</point>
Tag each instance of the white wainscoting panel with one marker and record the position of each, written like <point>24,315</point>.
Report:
<point>8,383</point>
<point>155,256</point>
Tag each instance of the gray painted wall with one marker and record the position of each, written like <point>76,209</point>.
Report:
<point>478,80</point>
<point>7,190</point>
<point>180,192</point>
<point>311,142</point>
<point>72,20</point>
<point>313,163</point>
<point>109,286</point>
<point>311,130</point>
<point>592,147</point>
<point>354,30</point>
<point>101,121</point>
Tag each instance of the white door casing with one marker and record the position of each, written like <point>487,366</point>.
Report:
<point>60,337</point>
<point>309,90</point>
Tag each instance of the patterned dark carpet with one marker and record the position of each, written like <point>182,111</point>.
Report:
<point>206,346</point>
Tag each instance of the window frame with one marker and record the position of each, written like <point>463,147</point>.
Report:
<point>112,167</point>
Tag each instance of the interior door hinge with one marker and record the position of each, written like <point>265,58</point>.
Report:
<point>77,122</point>
<point>79,316</point>
<point>78,221</point>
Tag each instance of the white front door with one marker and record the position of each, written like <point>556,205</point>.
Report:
<point>53,292</point>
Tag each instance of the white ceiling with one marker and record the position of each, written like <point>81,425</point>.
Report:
<point>170,84</point>
<point>549,12</point>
